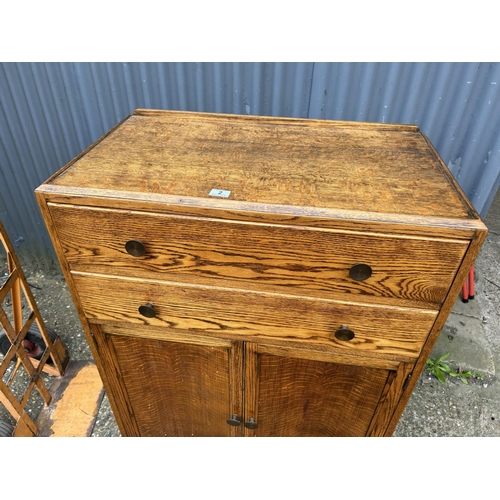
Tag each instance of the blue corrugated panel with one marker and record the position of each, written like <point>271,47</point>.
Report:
<point>49,112</point>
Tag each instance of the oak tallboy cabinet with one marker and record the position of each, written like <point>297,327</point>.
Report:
<point>258,276</point>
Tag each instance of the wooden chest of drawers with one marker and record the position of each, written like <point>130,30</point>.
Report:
<point>255,276</point>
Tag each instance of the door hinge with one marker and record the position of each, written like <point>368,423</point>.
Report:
<point>406,382</point>
<point>92,336</point>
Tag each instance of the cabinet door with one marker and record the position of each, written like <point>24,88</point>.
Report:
<point>290,393</point>
<point>186,386</point>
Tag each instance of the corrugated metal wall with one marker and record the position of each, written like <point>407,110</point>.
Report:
<point>50,112</point>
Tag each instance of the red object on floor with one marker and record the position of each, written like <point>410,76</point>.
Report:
<point>468,286</point>
<point>471,282</point>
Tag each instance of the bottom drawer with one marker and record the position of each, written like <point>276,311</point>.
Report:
<point>372,330</point>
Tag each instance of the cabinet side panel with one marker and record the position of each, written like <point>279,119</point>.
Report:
<point>453,293</point>
<point>390,398</point>
<point>123,418</point>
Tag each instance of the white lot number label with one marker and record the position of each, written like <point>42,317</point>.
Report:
<point>221,193</point>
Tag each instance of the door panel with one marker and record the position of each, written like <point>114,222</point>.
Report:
<point>175,388</point>
<point>303,397</point>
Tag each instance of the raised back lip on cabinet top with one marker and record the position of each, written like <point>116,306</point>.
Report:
<point>317,165</point>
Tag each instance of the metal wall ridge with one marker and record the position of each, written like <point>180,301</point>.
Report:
<point>50,112</point>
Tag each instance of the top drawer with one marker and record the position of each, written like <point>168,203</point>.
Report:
<point>254,256</point>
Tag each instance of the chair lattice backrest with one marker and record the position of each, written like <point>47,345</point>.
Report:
<point>54,359</point>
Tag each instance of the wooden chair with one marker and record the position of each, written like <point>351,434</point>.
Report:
<point>52,360</point>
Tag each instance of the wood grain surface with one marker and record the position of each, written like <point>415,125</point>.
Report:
<point>248,291</point>
<point>397,383</point>
<point>252,255</point>
<point>175,389</point>
<point>302,397</point>
<point>227,209</point>
<point>308,163</point>
<point>76,398</point>
<point>379,331</point>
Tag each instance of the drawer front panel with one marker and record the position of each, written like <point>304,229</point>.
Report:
<point>378,331</point>
<point>255,255</point>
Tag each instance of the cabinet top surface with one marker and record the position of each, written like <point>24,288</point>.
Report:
<point>376,168</point>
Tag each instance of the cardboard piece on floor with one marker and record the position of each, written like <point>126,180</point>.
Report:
<point>76,398</point>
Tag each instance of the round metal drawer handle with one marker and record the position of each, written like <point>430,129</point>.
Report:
<point>147,310</point>
<point>344,333</point>
<point>360,272</point>
<point>135,248</point>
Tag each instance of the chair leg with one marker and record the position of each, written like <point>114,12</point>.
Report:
<point>468,286</point>
<point>471,282</point>
<point>465,292</point>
